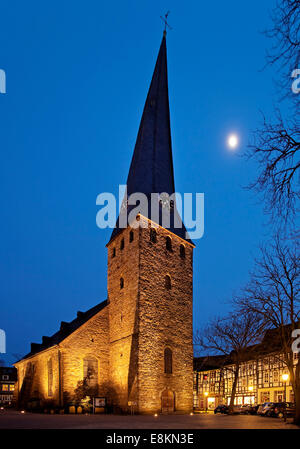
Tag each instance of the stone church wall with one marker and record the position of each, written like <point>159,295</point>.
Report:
<point>145,318</point>
<point>90,340</point>
<point>165,321</point>
<point>123,315</point>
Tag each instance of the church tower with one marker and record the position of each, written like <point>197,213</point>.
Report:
<point>150,277</point>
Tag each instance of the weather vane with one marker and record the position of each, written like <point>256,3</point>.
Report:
<point>164,19</point>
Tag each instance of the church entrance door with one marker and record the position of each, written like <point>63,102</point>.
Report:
<point>167,401</point>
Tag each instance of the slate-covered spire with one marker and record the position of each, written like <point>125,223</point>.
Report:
<point>151,169</point>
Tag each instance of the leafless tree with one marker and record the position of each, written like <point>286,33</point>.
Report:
<point>285,35</point>
<point>273,294</point>
<point>276,149</point>
<point>230,336</point>
<point>275,146</point>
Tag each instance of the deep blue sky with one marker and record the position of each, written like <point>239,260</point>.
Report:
<point>77,77</point>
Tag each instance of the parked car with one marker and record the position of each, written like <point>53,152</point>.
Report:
<point>261,408</point>
<point>222,408</point>
<point>279,409</point>
<point>267,408</point>
<point>288,407</point>
<point>237,409</point>
<point>245,409</point>
<point>270,410</point>
<point>225,409</point>
<point>253,409</point>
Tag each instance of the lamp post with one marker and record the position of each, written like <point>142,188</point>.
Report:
<point>206,400</point>
<point>285,378</point>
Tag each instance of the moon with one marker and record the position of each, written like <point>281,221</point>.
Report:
<point>232,141</point>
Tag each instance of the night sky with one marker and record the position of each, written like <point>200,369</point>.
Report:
<point>77,78</point>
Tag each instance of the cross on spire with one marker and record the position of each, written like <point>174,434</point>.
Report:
<point>165,20</point>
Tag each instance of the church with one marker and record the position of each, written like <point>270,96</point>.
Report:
<point>136,347</point>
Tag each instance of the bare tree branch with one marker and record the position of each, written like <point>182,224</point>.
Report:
<point>285,51</point>
<point>275,145</point>
<point>276,149</point>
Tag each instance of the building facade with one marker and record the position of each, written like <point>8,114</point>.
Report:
<point>136,347</point>
<point>260,380</point>
<point>8,378</point>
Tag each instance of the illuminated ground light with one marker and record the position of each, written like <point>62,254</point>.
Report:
<point>191,414</point>
<point>232,141</point>
<point>22,411</point>
<point>155,415</point>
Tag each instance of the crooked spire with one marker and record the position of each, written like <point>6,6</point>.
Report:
<point>151,168</point>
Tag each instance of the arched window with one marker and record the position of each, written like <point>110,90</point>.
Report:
<point>182,251</point>
<point>122,244</point>
<point>153,235</point>
<point>168,282</point>
<point>50,377</point>
<point>131,236</point>
<point>169,243</point>
<point>168,361</point>
<point>121,283</point>
<point>90,371</point>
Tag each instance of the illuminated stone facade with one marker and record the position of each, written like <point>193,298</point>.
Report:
<point>128,337</point>
<point>146,317</point>
<point>53,373</point>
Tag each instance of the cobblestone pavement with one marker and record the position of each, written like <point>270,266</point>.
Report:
<point>16,420</point>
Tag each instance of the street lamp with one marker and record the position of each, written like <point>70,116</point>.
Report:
<point>206,401</point>
<point>285,378</point>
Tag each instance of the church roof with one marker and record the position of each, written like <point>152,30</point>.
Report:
<point>151,169</point>
<point>65,330</point>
